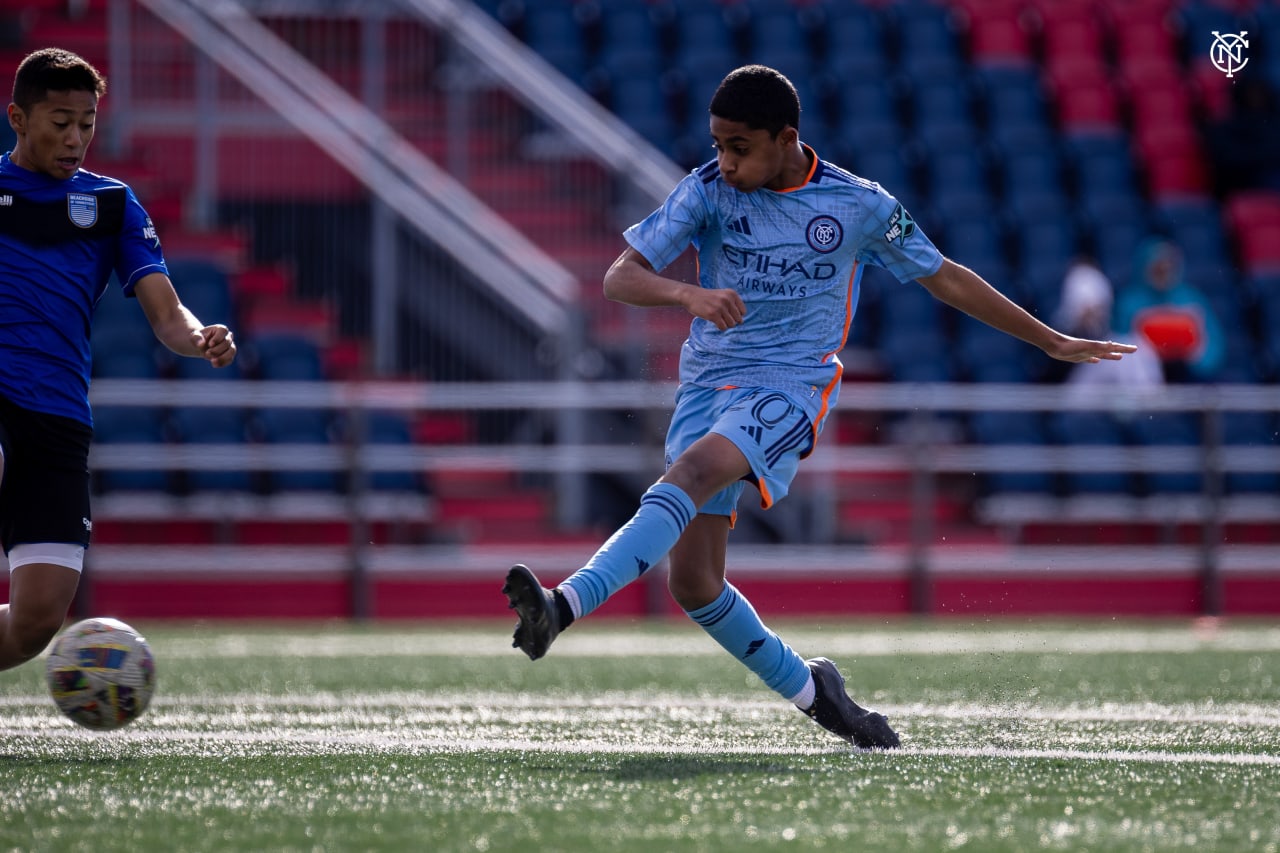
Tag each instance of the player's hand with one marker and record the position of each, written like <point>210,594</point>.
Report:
<point>1082,351</point>
<point>723,307</point>
<point>216,345</point>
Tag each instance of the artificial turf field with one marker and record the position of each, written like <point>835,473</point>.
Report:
<point>1016,736</point>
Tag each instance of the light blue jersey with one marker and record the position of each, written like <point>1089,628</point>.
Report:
<point>795,257</point>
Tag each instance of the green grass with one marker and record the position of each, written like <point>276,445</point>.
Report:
<point>1100,737</point>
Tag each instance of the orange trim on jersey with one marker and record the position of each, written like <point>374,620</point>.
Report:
<point>835,380</point>
<point>766,499</point>
<point>813,167</point>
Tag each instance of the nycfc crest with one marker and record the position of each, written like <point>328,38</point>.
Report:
<point>82,209</point>
<point>1227,52</point>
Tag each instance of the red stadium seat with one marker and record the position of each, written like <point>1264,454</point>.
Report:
<point>1253,221</point>
<point>1070,38</point>
<point>1088,106</point>
<point>999,41</point>
<point>1161,106</point>
<point>1176,173</point>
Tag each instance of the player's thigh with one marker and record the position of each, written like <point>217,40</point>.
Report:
<point>695,414</point>
<point>40,594</point>
<point>772,432</point>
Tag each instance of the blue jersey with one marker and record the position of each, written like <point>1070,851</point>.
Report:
<point>59,243</point>
<point>795,258</point>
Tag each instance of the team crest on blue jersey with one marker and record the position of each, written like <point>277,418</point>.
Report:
<point>82,209</point>
<point>824,234</point>
<point>901,226</point>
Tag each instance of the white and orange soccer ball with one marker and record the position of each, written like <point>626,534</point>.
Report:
<point>101,673</point>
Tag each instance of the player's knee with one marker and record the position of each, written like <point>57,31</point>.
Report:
<point>693,591</point>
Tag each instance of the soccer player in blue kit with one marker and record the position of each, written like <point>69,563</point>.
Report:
<point>63,231</point>
<point>781,238</point>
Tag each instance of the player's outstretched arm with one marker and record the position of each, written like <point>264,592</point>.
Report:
<point>177,328</point>
<point>962,288</point>
<point>632,280</point>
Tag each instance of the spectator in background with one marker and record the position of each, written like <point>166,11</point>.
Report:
<point>1245,145</point>
<point>1085,311</point>
<point>1171,314</point>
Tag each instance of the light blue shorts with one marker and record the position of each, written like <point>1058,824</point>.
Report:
<point>770,429</point>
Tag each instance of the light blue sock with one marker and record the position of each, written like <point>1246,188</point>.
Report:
<point>665,511</point>
<point>733,623</point>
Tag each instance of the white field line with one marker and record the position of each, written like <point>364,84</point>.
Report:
<point>422,743</point>
<point>843,642</point>
<point>294,709</point>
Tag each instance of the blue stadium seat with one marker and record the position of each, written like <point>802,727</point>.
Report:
<point>1031,170</point>
<point>130,425</point>
<point>639,101</point>
<point>856,42</point>
<point>988,355</point>
<point>1010,94</point>
<point>1092,428</point>
<point>885,167</point>
<point>1021,135</point>
<point>940,100</point>
<point>1251,429</point>
<point>220,425</point>
<point>552,32</point>
<point>392,428</point>
<point>126,363</point>
<point>1046,243</point>
<point>866,101</point>
<point>963,206</point>
<point>924,32</point>
<point>205,289</point>
<point>1018,428</point>
<point>287,357</point>
<point>958,169</point>
<point>974,242</point>
<point>1169,429</point>
<point>298,426</point>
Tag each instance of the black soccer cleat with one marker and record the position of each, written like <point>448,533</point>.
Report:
<point>837,713</point>
<point>539,623</point>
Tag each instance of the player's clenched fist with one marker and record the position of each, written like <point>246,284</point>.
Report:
<point>216,344</point>
<point>724,308</point>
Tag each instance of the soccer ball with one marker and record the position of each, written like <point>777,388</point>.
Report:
<point>101,673</point>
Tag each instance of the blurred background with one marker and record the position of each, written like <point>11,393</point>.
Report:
<point>404,209</point>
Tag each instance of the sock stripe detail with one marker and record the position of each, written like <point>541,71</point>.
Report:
<point>678,511</point>
<point>718,610</point>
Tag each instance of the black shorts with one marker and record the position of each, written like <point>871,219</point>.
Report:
<point>44,496</point>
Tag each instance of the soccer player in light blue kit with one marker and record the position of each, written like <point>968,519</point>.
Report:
<point>781,237</point>
<point>63,231</point>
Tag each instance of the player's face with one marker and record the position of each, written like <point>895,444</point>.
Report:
<point>749,159</point>
<point>55,134</point>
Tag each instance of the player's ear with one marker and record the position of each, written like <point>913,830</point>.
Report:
<point>788,136</point>
<point>17,119</point>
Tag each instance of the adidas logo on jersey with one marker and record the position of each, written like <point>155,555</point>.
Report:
<point>741,225</point>
<point>754,431</point>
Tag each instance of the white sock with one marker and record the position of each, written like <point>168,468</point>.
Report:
<point>804,699</point>
<point>571,596</point>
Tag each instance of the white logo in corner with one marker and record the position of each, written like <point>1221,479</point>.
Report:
<point>1227,52</point>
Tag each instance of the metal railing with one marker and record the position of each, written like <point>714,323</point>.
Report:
<point>922,453</point>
